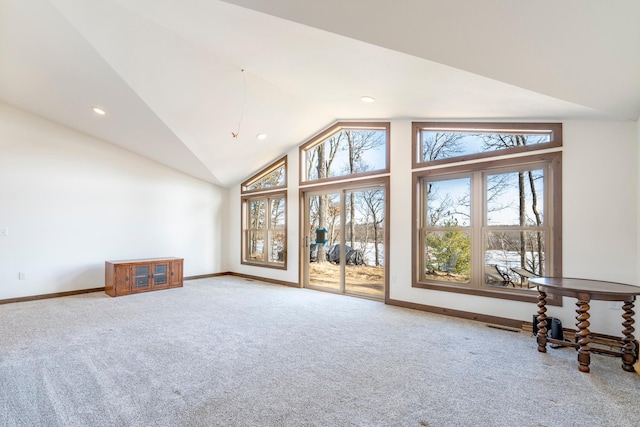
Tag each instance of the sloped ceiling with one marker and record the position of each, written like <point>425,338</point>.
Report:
<point>177,78</point>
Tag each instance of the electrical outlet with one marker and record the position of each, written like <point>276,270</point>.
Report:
<point>4,232</point>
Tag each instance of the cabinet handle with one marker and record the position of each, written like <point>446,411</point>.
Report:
<point>127,278</point>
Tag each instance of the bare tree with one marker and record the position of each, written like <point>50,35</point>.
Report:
<point>272,179</point>
<point>444,208</point>
<point>333,215</point>
<point>437,211</point>
<point>324,159</point>
<point>441,145</point>
<point>312,161</point>
<point>275,234</point>
<point>256,223</point>
<point>322,200</point>
<point>374,209</point>
<point>359,142</point>
<point>502,141</point>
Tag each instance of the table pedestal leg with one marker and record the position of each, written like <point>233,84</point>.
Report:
<point>542,322</point>
<point>584,351</point>
<point>628,353</point>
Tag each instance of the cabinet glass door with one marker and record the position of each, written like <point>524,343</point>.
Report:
<point>141,276</point>
<point>160,275</point>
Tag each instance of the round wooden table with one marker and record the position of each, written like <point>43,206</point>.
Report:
<point>585,290</point>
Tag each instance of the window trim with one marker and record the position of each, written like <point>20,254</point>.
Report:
<point>267,194</point>
<point>244,200</point>
<point>554,159</point>
<point>333,129</point>
<point>516,128</point>
<point>281,162</point>
<point>383,181</point>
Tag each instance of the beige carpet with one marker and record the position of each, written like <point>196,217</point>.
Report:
<point>231,352</point>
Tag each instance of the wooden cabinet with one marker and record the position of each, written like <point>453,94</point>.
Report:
<point>142,275</point>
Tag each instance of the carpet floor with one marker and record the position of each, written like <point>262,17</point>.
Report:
<point>226,351</point>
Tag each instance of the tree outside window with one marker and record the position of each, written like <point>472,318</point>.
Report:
<point>489,225</point>
<point>343,151</point>
<point>264,232</point>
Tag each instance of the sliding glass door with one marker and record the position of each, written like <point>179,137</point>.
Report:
<point>344,243</point>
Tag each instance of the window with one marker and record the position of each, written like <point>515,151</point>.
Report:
<point>438,143</point>
<point>346,150</point>
<point>264,231</point>
<point>272,177</point>
<point>486,227</point>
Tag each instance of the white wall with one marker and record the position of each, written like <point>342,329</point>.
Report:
<point>600,212</point>
<point>600,201</point>
<point>600,223</point>
<point>71,202</point>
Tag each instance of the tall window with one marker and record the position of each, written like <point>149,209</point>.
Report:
<point>345,150</point>
<point>264,230</point>
<point>485,227</point>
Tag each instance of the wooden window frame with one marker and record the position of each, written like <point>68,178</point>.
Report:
<point>554,129</point>
<point>267,197</point>
<point>281,162</point>
<point>327,133</point>
<point>384,182</point>
<point>267,194</point>
<point>486,164</point>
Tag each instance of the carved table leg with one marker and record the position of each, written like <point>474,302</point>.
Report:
<point>542,322</point>
<point>628,349</point>
<point>584,351</point>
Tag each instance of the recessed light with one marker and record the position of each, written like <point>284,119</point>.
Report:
<point>367,99</point>
<point>99,111</point>
<point>261,136</point>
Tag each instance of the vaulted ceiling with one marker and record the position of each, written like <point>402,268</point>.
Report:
<point>177,78</point>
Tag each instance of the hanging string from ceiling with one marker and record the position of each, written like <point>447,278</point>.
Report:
<point>244,102</point>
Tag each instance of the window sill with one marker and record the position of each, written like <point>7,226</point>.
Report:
<point>513,295</point>
<point>265,265</point>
